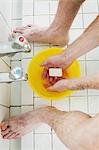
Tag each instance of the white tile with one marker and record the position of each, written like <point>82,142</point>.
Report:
<point>6,15</point>
<point>41,7</point>
<point>15,87</point>
<point>27,20</point>
<point>25,63</point>
<point>17,9</point>
<point>74,34</point>
<point>15,93</point>
<point>57,144</point>
<point>16,23</point>
<point>93,102</point>
<point>39,49</point>
<point>15,111</point>
<point>15,144</point>
<point>93,55</point>
<point>39,102</point>
<point>92,67</point>
<point>78,23</point>
<point>4,88</point>
<point>4,113</point>
<point>80,93</point>
<point>90,6</point>
<point>27,142</point>
<point>78,103</point>
<point>25,109</point>
<point>3,66</point>
<point>53,7</point>
<point>17,57</point>
<point>26,94</point>
<point>82,68</point>
<point>62,104</point>
<point>4,144</point>
<point>7,60</point>
<point>43,141</point>
<point>5,94</point>
<point>88,19</point>
<point>41,20</point>
<point>27,7</point>
<point>93,92</point>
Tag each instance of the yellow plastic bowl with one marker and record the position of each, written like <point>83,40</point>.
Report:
<point>35,75</point>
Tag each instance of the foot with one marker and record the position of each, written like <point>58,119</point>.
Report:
<point>53,35</point>
<point>18,126</point>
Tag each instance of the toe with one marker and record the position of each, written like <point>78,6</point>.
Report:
<point>8,135</point>
<point>4,125</point>
<point>17,136</point>
<point>13,34</point>
<point>12,136</point>
<point>29,25</point>
<point>3,133</point>
<point>18,31</point>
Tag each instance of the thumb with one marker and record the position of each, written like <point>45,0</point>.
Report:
<point>55,87</point>
<point>52,88</point>
<point>58,86</point>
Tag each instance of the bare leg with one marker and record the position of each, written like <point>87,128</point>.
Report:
<point>77,130</point>
<point>57,33</point>
<point>63,123</point>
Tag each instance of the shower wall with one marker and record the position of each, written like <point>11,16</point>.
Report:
<point>9,18</point>
<point>5,24</point>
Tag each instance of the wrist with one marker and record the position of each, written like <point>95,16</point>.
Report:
<point>69,53</point>
<point>68,58</point>
<point>77,84</point>
<point>88,82</point>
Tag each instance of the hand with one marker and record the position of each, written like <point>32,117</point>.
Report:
<point>59,60</point>
<point>61,85</point>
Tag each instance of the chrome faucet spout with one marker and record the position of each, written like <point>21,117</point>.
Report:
<point>18,45</point>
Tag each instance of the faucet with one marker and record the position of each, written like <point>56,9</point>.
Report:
<point>18,44</point>
<point>15,75</point>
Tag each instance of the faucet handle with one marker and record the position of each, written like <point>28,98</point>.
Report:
<point>16,73</point>
<point>20,42</point>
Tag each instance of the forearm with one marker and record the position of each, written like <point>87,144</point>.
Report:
<point>86,42</point>
<point>88,82</point>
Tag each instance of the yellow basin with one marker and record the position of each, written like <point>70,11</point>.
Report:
<point>35,75</point>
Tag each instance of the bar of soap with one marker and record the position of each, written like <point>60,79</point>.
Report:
<point>55,72</point>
